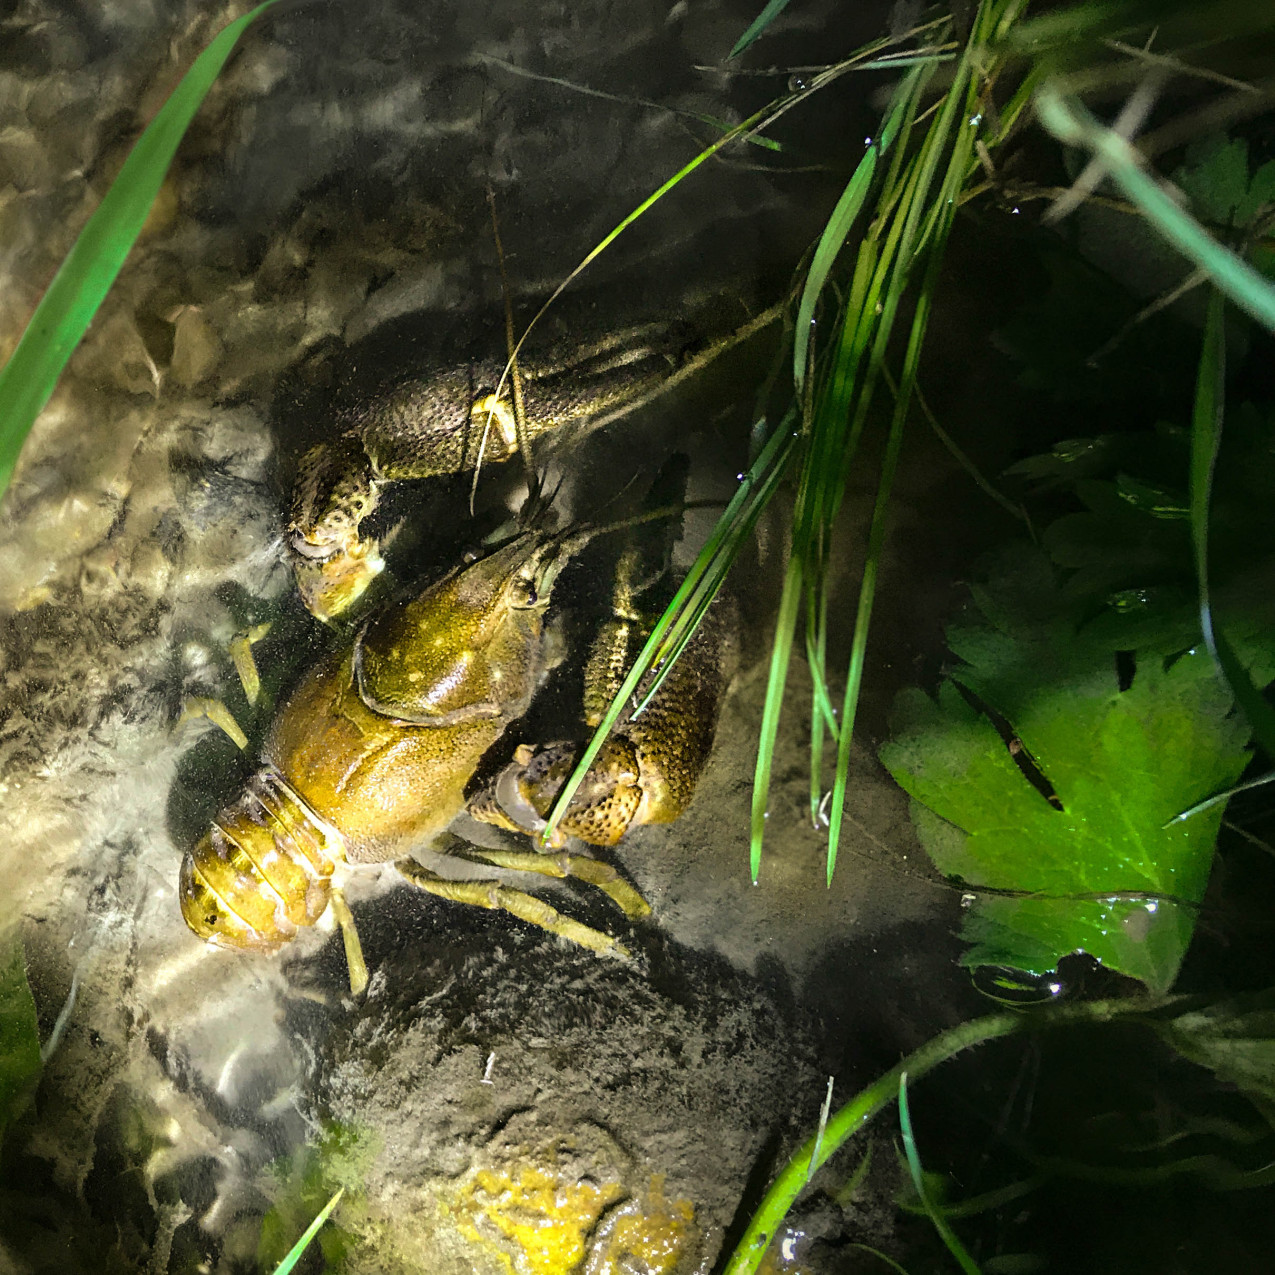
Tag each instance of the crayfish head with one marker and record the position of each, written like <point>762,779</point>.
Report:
<point>261,871</point>
<point>475,645</point>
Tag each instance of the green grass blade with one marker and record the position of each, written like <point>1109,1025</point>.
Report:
<point>1218,798</point>
<point>85,276</point>
<point>1071,122</point>
<point>916,200</point>
<point>703,583</point>
<point>941,1225</point>
<point>1206,438</point>
<point>859,642</point>
<point>823,720</point>
<point>780,655</point>
<point>843,216</point>
<point>1260,715</point>
<point>758,119</point>
<point>294,1254</point>
<point>963,460</point>
<point>973,1205</point>
<point>881,1257</point>
<point>772,10</point>
<point>831,443</point>
<point>830,244</point>
<point>708,573</point>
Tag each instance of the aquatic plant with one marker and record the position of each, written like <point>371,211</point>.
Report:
<point>1092,706</point>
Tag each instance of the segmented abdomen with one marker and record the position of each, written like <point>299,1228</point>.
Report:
<point>263,870</point>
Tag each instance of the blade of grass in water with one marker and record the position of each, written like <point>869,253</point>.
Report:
<point>294,1254</point>
<point>837,230</point>
<point>1206,438</point>
<point>941,1225</point>
<point>832,442</point>
<point>759,120</point>
<point>85,276</point>
<point>734,529</point>
<point>903,225</point>
<point>827,449</point>
<point>881,1257</point>
<point>855,1114</point>
<point>912,217</point>
<point>949,127</point>
<point>755,28</point>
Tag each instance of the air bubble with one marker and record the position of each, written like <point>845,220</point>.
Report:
<point>1012,986</point>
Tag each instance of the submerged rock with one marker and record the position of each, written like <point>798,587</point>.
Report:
<point>527,1105</point>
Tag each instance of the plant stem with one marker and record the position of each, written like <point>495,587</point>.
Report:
<point>856,1113</point>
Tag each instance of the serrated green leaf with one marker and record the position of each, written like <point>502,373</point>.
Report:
<point>1215,175</point>
<point>1235,1039</point>
<point>1069,120</point>
<point>19,1035</point>
<point>1102,874</point>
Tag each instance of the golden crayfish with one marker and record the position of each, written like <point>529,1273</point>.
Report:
<point>372,753</point>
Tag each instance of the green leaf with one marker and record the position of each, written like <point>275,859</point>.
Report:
<point>84,278</point>
<point>1102,874</point>
<point>1214,174</point>
<point>1235,1039</point>
<point>19,1036</point>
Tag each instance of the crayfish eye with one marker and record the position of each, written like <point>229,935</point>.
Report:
<point>523,594</point>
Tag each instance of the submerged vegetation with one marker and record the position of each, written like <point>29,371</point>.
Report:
<point>1106,696</point>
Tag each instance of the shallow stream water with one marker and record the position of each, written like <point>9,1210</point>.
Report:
<point>498,1099</point>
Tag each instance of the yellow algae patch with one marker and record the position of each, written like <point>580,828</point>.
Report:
<point>546,1221</point>
<point>650,1235</point>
